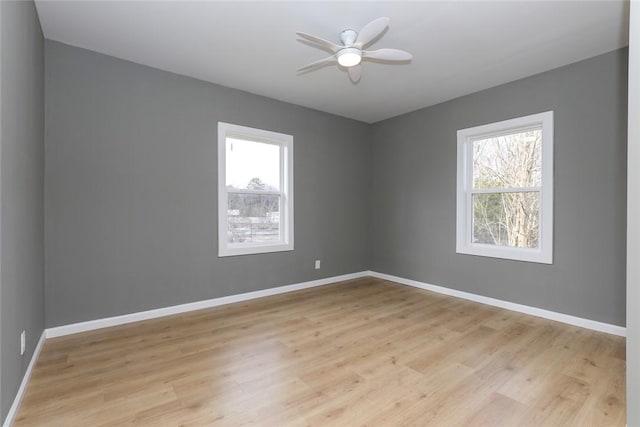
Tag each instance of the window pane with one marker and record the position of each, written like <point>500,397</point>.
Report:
<point>508,161</point>
<point>507,219</point>
<point>253,218</point>
<point>252,165</point>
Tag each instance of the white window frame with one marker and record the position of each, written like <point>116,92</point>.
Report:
<point>464,203</point>
<point>285,142</point>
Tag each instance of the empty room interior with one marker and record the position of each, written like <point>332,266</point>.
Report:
<point>319,213</point>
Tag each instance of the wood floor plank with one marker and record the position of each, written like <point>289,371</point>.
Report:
<point>364,352</point>
<point>496,410</point>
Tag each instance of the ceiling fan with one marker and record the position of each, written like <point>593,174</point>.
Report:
<point>351,53</point>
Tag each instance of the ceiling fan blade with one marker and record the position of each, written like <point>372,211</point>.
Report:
<point>387,54</point>
<point>371,31</point>
<point>317,64</point>
<point>322,42</point>
<point>355,73</point>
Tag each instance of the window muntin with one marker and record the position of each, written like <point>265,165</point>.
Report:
<point>505,189</point>
<point>255,193</point>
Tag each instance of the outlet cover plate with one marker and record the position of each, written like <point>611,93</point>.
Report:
<point>23,342</point>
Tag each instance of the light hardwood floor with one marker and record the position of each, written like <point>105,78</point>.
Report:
<point>362,352</point>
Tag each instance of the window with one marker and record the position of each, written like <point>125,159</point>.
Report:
<point>255,191</point>
<point>505,189</point>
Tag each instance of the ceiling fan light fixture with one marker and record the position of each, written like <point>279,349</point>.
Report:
<point>349,57</point>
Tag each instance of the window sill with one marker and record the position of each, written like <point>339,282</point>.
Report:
<point>251,250</point>
<point>516,254</point>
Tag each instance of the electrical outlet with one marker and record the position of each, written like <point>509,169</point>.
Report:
<point>317,264</point>
<point>23,342</point>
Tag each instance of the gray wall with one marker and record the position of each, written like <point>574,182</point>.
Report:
<point>414,183</point>
<point>131,189</point>
<point>22,165</point>
<point>633,223</point>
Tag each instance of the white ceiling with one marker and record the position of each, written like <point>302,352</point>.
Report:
<point>458,47</point>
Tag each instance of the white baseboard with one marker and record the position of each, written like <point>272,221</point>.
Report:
<point>182,308</point>
<point>23,385</point>
<point>90,325</point>
<point>534,311</point>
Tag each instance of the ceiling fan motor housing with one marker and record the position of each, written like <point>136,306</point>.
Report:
<point>348,37</point>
